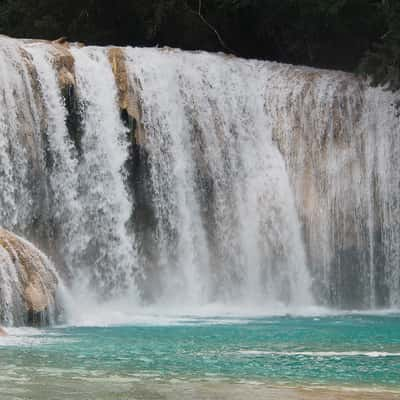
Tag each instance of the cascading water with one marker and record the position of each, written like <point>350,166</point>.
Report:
<point>91,204</point>
<point>341,143</point>
<point>21,143</point>
<point>252,184</point>
<point>227,226</point>
<point>103,240</point>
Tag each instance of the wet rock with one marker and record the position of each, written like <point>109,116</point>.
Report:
<point>28,283</point>
<point>62,40</point>
<point>64,63</point>
<point>129,102</point>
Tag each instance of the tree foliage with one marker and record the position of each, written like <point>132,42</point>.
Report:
<point>382,62</point>
<point>322,33</point>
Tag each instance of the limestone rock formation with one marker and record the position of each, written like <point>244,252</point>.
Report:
<point>129,102</point>
<point>64,65</point>
<point>28,283</point>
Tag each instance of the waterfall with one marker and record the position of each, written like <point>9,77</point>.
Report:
<point>91,204</point>
<point>340,140</point>
<point>106,208</point>
<point>21,142</point>
<point>169,178</point>
<point>227,225</point>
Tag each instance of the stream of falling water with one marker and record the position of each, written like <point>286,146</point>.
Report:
<point>106,207</point>
<point>20,139</point>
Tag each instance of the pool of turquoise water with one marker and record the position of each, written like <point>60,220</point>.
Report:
<point>347,350</point>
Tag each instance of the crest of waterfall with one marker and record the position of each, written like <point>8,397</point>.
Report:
<point>200,178</point>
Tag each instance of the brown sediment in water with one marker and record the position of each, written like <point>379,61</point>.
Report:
<point>135,388</point>
<point>349,394</point>
<point>240,391</point>
<point>3,332</point>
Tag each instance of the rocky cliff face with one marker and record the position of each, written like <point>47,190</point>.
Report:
<point>28,283</point>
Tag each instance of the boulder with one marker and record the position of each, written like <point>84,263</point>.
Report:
<point>28,283</point>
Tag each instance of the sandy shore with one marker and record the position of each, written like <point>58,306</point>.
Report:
<point>118,388</point>
<point>244,391</point>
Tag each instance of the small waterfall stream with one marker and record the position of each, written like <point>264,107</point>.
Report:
<point>251,184</point>
<point>102,239</point>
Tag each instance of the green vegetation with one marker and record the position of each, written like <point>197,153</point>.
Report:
<point>352,35</point>
<point>382,62</point>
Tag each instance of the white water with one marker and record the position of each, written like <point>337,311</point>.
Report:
<point>91,204</point>
<point>338,354</point>
<point>341,143</point>
<point>211,151</point>
<point>20,139</point>
<point>263,181</point>
<point>102,238</point>
<point>28,337</point>
<point>10,303</point>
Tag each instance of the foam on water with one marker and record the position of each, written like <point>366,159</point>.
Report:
<point>28,337</point>
<point>119,312</point>
<point>320,353</point>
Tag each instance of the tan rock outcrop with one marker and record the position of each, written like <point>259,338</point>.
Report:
<point>64,64</point>
<point>63,60</point>
<point>128,99</point>
<point>28,282</point>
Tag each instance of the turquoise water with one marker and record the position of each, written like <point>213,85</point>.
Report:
<point>348,350</point>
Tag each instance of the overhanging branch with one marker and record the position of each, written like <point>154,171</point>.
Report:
<point>199,13</point>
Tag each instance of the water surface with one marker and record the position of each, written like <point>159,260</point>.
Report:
<point>201,357</point>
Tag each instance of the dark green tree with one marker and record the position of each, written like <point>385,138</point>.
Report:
<point>382,62</point>
<point>322,33</point>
